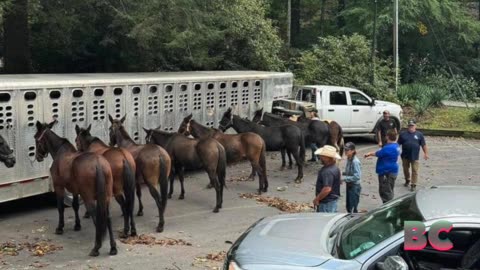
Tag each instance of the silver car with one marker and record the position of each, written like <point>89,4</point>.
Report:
<point>370,241</point>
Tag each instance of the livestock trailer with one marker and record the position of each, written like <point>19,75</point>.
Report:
<point>148,100</point>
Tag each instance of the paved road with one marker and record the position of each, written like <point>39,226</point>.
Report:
<point>453,161</point>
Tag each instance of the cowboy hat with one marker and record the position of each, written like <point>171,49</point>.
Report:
<point>328,151</point>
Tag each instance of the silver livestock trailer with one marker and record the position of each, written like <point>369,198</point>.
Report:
<point>148,100</point>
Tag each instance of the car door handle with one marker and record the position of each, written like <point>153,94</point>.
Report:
<point>331,110</point>
<point>356,110</point>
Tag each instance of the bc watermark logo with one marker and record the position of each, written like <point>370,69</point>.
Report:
<point>415,238</point>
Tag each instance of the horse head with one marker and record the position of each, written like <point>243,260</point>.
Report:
<point>226,122</point>
<point>257,116</point>
<point>6,153</point>
<point>148,137</point>
<point>41,143</point>
<point>83,138</point>
<point>115,128</point>
<point>185,127</point>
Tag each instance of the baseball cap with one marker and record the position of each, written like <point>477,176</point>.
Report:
<point>411,122</point>
<point>349,146</point>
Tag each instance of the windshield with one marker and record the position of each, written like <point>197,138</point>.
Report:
<point>360,235</point>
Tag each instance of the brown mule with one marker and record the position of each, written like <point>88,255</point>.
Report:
<point>123,169</point>
<point>153,167</point>
<point>86,174</point>
<point>238,147</point>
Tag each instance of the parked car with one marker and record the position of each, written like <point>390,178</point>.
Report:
<point>346,241</point>
<point>354,110</point>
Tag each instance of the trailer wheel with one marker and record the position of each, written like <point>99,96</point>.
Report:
<point>68,199</point>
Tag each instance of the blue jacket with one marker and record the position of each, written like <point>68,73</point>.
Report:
<point>387,159</point>
<point>353,171</point>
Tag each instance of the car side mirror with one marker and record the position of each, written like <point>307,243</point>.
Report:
<point>373,102</point>
<point>393,263</point>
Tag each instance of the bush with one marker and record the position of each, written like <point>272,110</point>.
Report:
<point>475,116</point>
<point>458,88</point>
<point>422,104</point>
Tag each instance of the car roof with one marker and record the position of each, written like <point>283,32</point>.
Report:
<point>440,202</point>
<point>328,87</point>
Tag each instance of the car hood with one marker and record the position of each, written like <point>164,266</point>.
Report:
<point>295,240</point>
<point>382,103</point>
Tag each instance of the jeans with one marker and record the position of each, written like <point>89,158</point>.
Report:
<point>386,183</point>
<point>353,197</point>
<point>314,148</point>
<point>329,207</point>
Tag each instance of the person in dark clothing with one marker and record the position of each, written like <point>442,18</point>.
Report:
<point>383,127</point>
<point>327,188</point>
<point>411,141</point>
<point>387,167</point>
<point>352,176</point>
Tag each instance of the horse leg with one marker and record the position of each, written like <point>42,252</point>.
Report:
<point>172,178</point>
<point>156,196</point>
<point>252,174</point>
<point>121,201</point>
<point>181,178</point>
<point>113,245</point>
<point>139,196</point>
<point>284,163</point>
<point>76,206</point>
<point>299,162</point>
<point>261,180</point>
<point>61,209</point>
<point>218,189</point>
<point>290,163</point>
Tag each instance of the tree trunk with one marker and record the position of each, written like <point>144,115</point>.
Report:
<point>295,22</point>
<point>341,7</point>
<point>322,17</point>
<point>16,38</point>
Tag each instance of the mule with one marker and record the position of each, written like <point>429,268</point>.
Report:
<point>86,174</point>
<point>123,169</point>
<point>244,146</point>
<point>153,167</point>
<point>187,153</point>
<point>285,138</point>
<point>6,153</point>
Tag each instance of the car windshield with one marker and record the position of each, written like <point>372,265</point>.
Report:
<point>361,234</point>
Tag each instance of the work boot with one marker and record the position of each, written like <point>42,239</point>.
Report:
<point>412,187</point>
<point>407,182</point>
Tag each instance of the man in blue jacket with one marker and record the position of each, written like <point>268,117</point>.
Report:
<point>387,167</point>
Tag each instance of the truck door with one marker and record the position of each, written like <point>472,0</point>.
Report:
<point>362,113</point>
<point>337,108</point>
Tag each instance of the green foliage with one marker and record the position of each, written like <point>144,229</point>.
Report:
<point>475,115</point>
<point>343,61</point>
<point>421,97</point>
<point>457,88</point>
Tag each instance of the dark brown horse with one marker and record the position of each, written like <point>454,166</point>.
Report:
<point>123,169</point>
<point>335,133</point>
<point>238,147</point>
<point>285,138</point>
<point>6,153</point>
<point>187,153</point>
<point>153,167</point>
<point>86,174</point>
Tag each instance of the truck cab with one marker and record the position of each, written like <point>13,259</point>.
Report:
<point>354,110</point>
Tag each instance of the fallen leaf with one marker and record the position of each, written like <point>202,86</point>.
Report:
<point>149,240</point>
<point>281,204</point>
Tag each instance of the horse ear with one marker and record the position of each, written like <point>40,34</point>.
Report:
<point>39,125</point>
<point>229,110</point>
<point>110,118</point>
<point>89,127</point>
<point>146,130</point>
<point>123,118</point>
<point>51,124</point>
<point>77,129</point>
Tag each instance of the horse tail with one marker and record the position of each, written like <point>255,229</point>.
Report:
<point>263,162</point>
<point>302,146</point>
<point>101,214</point>
<point>222,165</point>
<point>128,186</point>
<point>341,141</point>
<point>163,179</point>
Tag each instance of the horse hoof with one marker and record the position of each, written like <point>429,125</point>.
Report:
<point>140,213</point>
<point>181,197</point>
<point>113,251</point>
<point>77,227</point>
<point>209,186</point>
<point>265,189</point>
<point>87,215</point>
<point>133,233</point>
<point>215,210</point>
<point>169,196</point>
<point>124,234</point>
<point>58,231</point>
<point>159,229</point>
<point>94,253</point>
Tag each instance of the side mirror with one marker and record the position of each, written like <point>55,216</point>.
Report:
<point>393,263</point>
<point>373,102</point>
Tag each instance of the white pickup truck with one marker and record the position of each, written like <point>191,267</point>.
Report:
<point>356,112</point>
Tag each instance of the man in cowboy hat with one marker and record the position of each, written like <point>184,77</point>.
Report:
<point>327,189</point>
<point>411,141</point>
